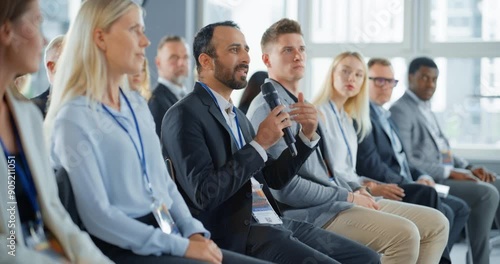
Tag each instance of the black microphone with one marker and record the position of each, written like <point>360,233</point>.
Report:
<point>272,99</point>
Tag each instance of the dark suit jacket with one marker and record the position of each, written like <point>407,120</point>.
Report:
<point>41,101</point>
<point>161,100</point>
<point>376,158</point>
<point>213,175</point>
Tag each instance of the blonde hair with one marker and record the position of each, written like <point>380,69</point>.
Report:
<point>81,68</point>
<point>145,87</point>
<point>356,107</point>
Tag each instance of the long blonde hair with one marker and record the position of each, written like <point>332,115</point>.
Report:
<point>356,107</point>
<point>145,87</point>
<point>81,69</point>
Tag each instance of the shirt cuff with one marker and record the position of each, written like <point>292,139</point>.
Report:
<point>447,171</point>
<point>260,149</point>
<point>426,177</point>
<point>310,143</point>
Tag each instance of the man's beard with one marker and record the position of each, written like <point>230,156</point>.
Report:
<point>179,80</point>
<point>227,77</point>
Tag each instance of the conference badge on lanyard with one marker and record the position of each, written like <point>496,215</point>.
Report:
<point>262,210</point>
<point>36,239</point>
<point>163,217</point>
<point>34,236</point>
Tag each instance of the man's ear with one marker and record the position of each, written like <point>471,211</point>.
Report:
<point>411,76</point>
<point>157,61</point>
<point>6,33</point>
<point>206,61</point>
<point>99,39</point>
<point>265,59</point>
<point>51,66</point>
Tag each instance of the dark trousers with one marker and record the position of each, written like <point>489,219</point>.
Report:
<point>457,211</point>
<point>120,255</point>
<point>452,207</point>
<point>483,199</point>
<point>300,242</point>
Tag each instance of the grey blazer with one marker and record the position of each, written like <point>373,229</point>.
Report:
<point>417,140</point>
<point>309,196</point>
<point>76,244</point>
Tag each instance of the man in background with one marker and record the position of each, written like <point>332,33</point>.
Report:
<point>52,53</point>
<point>428,149</point>
<point>172,62</point>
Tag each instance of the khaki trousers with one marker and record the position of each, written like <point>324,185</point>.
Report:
<point>402,232</point>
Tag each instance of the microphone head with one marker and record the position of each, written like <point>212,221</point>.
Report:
<point>270,94</point>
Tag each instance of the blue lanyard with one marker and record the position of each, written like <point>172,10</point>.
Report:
<point>240,143</point>
<point>25,175</point>
<point>142,157</point>
<point>343,133</point>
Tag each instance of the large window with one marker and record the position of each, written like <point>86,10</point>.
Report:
<point>357,21</point>
<point>465,20</point>
<point>463,36</point>
<point>471,114</point>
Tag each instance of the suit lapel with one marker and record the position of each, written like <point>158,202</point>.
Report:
<point>215,112</point>
<point>245,127</point>
<point>376,121</point>
<point>420,117</point>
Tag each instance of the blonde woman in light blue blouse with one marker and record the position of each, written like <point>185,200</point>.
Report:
<point>104,137</point>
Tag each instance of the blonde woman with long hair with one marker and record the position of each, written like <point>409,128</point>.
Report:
<point>34,227</point>
<point>343,99</point>
<point>104,137</point>
<point>140,83</point>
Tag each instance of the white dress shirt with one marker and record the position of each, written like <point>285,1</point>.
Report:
<point>177,90</point>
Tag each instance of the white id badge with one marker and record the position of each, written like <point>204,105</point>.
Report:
<point>35,238</point>
<point>262,210</point>
<point>163,217</point>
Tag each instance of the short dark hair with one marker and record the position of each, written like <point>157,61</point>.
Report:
<point>10,10</point>
<point>203,40</point>
<point>280,27</point>
<point>416,63</point>
<point>170,38</point>
<point>381,61</point>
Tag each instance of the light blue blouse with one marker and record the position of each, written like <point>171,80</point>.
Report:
<point>343,151</point>
<point>107,179</point>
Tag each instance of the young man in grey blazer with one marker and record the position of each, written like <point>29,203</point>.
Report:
<point>429,149</point>
<point>403,233</point>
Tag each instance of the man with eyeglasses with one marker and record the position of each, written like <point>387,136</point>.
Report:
<point>429,150</point>
<point>381,156</point>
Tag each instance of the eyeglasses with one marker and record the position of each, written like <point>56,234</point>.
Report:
<point>379,81</point>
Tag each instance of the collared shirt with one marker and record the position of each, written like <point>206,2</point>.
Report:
<point>226,108</point>
<point>178,91</point>
<point>433,127</point>
<point>107,177</point>
<point>396,144</point>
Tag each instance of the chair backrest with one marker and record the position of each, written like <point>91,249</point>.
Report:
<point>67,197</point>
<point>170,168</point>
